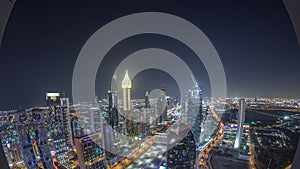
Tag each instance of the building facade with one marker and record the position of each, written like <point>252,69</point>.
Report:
<point>90,153</point>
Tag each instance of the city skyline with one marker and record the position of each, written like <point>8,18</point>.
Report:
<point>219,124</point>
<point>149,85</point>
<point>257,46</point>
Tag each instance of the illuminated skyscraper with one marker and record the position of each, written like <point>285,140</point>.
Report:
<point>52,98</point>
<point>241,119</point>
<point>181,152</point>
<point>194,111</point>
<point>126,86</point>
<point>59,126</point>
<point>66,123</point>
<point>90,152</point>
<point>41,138</point>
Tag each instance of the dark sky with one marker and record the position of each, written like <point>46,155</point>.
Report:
<point>255,41</point>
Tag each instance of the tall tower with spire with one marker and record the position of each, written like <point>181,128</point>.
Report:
<point>126,86</point>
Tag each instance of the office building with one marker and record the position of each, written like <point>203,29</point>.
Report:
<point>113,114</point>
<point>90,152</point>
<point>108,135</point>
<point>59,126</point>
<point>32,133</point>
<point>52,98</point>
<point>241,119</point>
<point>41,138</point>
<point>23,128</point>
<point>181,152</point>
<point>66,123</point>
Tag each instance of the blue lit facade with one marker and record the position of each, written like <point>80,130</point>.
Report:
<point>90,153</point>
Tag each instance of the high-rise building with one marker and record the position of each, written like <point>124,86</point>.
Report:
<point>52,98</point>
<point>90,152</point>
<point>32,133</point>
<point>115,99</point>
<point>241,119</point>
<point>95,119</point>
<point>130,125</point>
<point>76,130</point>
<point>161,106</point>
<point>113,119</point>
<point>110,100</point>
<point>194,111</point>
<point>23,128</point>
<point>163,102</point>
<point>59,126</point>
<point>41,138</point>
<point>66,123</point>
<point>108,136</point>
<point>181,152</point>
<point>123,136</point>
<point>147,101</point>
<point>126,86</point>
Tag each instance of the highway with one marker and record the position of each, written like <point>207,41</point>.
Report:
<point>150,159</point>
<point>253,153</point>
<point>127,161</point>
<point>205,154</point>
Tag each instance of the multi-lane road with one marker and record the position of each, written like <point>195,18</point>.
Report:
<point>205,154</point>
<point>127,161</point>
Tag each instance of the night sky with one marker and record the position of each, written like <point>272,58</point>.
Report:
<point>255,40</point>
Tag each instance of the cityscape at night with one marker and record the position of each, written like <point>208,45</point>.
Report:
<point>161,85</point>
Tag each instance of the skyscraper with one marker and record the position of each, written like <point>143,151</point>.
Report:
<point>95,119</point>
<point>147,101</point>
<point>90,152</point>
<point>163,102</point>
<point>126,86</point>
<point>41,138</point>
<point>52,98</point>
<point>110,100</point>
<point>194,111</point>
<point>33,138</point>
<point>23,129</point>
<point>58,123</point>
<point>115,99</point>
<point>66,123</point>
<point>161,106</point>
<point>241,119</point>
<point>113,119</point>
<point>108,136</point>
<point>181,152</point>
